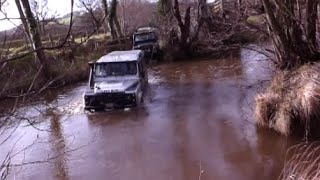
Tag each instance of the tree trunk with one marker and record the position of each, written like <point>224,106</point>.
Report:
<point>183,26</point>
<point>107,16</point>
<point>185,31</point>
<point>203,9</point>
<point>113,11</point>
<point>116,22</point>
<point>164,8</point>
<point>36,39</point>
<point>23,20</point>
<point>112,15</point>
<point>105,7</point>
<point>124,20</point>
<point>279,38</point>
<point>113,32</point>
<point>292,48</point>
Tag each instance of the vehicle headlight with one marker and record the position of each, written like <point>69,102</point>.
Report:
<point>88,99</point>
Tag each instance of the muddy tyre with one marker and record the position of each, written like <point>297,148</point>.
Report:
<point>139,102</point>
<point>98,109</point>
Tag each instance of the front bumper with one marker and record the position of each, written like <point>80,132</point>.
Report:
<point>109,100</point>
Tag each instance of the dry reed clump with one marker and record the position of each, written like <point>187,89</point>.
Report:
<point>291,105</point>
<point>302,162</point>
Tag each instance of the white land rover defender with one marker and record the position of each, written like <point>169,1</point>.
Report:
<point>117,80</point>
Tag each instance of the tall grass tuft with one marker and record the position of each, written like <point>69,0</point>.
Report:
<point>302,162</point>
<point>291,105</point>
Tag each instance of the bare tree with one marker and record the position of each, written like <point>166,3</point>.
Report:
<point>113,20</point>
<point>197,29</point>
<point>91,7</point>
<point>110,14</point>
<point>36,39</point>
<point>40,10</point>
<point>164,7</point>
<point>132,15</point>
<point>294,43</point>
<point>23,20</point>
<point>2,2</point>
<point>184,25</point>
<point>105,10</point>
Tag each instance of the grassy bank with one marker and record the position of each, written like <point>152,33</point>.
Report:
<point>67,65</point>
<point>291,105</point>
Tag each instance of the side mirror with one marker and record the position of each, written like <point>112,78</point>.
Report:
<point>91,84</point>
<point>91,63</point>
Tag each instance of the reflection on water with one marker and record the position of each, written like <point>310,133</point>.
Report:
<point>58,144</point>
<point>197,119</point>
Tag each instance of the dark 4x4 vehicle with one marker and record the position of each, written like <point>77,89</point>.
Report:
<point>146,39</point>
<point>117,80</point>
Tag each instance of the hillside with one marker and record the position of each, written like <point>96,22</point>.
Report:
<point>54,27</point>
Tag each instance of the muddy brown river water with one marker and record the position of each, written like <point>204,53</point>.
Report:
<point>197,123</point>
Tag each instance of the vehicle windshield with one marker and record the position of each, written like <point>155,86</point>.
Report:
<point>115,69</point>
<point>144,37</point>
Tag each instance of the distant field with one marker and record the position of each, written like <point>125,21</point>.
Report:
<point>65,20</point>
<point>19,46</point>
<point>102,36</point>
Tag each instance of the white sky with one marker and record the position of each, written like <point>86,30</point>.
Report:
<point>62,7</point>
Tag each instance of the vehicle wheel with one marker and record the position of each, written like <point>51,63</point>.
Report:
<point>119,107</point>
<point>159,56</point>
<point>98,109</point>
<point>90,110</point>
<point>140,102</point>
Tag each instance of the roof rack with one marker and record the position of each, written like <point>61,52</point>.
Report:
<point>145,29</point>
<point>121,56</point>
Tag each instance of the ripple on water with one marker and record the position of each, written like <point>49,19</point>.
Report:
<point>73,108</point>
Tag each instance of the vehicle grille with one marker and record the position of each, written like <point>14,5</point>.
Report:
<point>146,47</point>
<point>113,97</point>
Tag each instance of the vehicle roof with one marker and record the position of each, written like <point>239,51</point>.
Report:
<point>121,56</point>
<point>145,30</point>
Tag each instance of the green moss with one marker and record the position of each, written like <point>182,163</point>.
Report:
<point>99,37</point>
<point>20,49</point>
<point>256,20</point>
